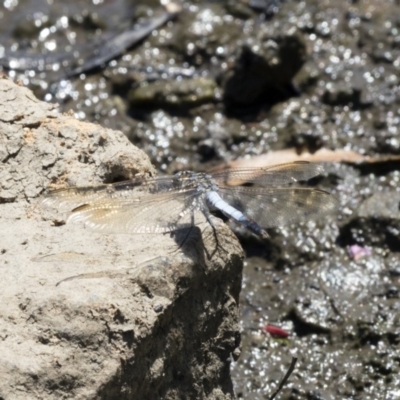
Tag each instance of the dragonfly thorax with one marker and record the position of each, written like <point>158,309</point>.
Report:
<point>201,181</point>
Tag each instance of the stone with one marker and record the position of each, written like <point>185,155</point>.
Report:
<point>149,320</point>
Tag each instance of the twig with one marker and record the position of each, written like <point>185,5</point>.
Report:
<point>285,378</point>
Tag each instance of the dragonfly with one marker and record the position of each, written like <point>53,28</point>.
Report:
<point>255,198</point>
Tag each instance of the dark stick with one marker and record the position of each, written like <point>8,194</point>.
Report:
<point>285,378</point>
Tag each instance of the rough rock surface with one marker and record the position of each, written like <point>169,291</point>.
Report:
<point>162,324</point>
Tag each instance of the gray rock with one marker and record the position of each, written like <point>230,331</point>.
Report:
<point>149,321</point>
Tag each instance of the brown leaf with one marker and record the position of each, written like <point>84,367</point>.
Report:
<point>290,155</point>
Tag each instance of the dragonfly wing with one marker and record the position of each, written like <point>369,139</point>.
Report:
<point>276,175</point>
<point>270,207</point>
<point>156,213</point>
<point>67,199</point>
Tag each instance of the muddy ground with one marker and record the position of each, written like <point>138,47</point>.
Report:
<point>229,79</point>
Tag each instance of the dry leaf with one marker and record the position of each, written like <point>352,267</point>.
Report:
<point>290,155</point>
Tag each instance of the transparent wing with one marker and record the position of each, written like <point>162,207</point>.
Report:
<point>156,213</point>
<point>164,204</point>
<point>271,207</point>
<point>69,198</point>
<point>276,175</point>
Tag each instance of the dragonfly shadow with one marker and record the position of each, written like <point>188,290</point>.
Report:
<point>190,249</point>
<point>200,242</point>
